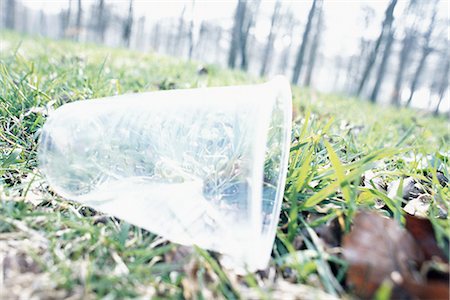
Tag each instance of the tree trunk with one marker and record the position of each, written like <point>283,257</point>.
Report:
<point>351,70</point>
<point>382,70</point>
<point>66,19</point>
<point>443,86</point>
<point>385,28</point>
<point>179,46</point>
<point>10,14</point>
<point>236,35</point>
<point>269,46</point>
<point>407,44</point>
<point>217,48</point>
<point>288,23</point>
<point>140,33</point>
<point>191,32</point>
<point>126,34</point>
<point>101,21</point>
<point>426,50</point>
<point>249,20</point>
<point>301,52</point>
<point>315,45</point>
<point>205,34</point>
<point>156,37</point>
<point>24,25</point>
<point>42,23</point>
<point>78,23</point>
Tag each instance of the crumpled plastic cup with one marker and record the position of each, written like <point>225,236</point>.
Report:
<point>203,167</point>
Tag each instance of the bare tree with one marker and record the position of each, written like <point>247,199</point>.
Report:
<point>405,53</point>
<point>249,22</point>
<point>205,34</point>
<point>382,69</point>
<point>42,23</point>
<point>65,19</point>
<point>407,44</point>
<point>243,21</point>
<point>156,36</point>
<point>237,32</point>
<point>140,32</point>
<point>443,85</point>
<point>288,24</point>
<point>127,26</point>
<point>385,29</point>
<point>10,14</point>
<point>217,36</point>
<point>269,46</point>
<point>179,46</point>
<point>301,51</point>
<point>24,25</point>
<point>79,17</point>
<point>426,50</point>
<point>313,52</point>
<point>354,68</point>
<point>191,32</point>
<point>101,20</point>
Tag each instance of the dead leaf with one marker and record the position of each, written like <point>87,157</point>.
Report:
<point>377,248</point>
<point>418,206</point>
<point>329,232</point>
<point>411,189</point>
<point>423,233</point>
<point>443,181</point>
<point>370,180</point>
<point>435,289</point>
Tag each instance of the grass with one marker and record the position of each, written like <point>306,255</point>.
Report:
<point>50,247</point>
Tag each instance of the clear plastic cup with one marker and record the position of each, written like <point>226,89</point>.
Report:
<point>203,167</point>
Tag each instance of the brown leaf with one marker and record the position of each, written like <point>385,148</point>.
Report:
<point>378,249</point>
<point>434,289</point>
<point>330,232</point>
<point>422,231</point>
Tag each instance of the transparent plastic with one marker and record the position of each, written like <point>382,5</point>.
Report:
<point>198,166</point>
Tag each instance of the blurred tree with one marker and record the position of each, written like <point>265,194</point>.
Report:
<point>237,32</point>
<point>140,32</point>
<point>313,52</point>
<point>443,85</point>
<point>42,23</point>
<point>267,57</point>
<point>249,22</point>
<point>204,36</point>
<point>102,20</point>
<point>301,52</point>
<point>288,24</point>
<point>191,31</point>
<point>244,20</point>
<point>10,14</point>
<point>24,24</point>
<point>356,62</point>
<point>382,68</point>
<point>405,53</point>
<point>65,19</point>
<point>127,26</point>
<point>385,29</point>
<point>426,50</point>
<point>407,45</point>
<point>156,38</point>
<point>78,23</point>
<point>179,46</point>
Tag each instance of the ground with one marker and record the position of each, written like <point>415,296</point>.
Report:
<point>345,153</point>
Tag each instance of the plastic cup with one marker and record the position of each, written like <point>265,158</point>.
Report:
<point>203,167</point>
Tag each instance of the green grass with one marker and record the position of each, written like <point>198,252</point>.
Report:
<point>71,250</point>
